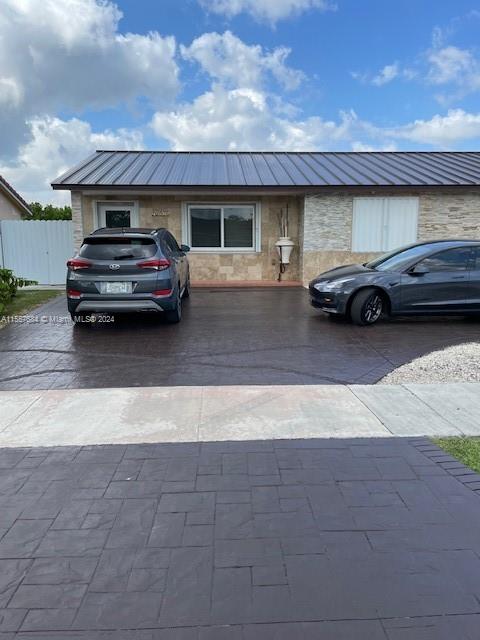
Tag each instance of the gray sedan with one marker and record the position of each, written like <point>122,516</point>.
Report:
<point>441,277</point>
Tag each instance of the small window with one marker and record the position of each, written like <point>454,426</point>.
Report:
<point>117,248</point>
<point>114,215</point>
<point>383,224</point>
<point>223,227</point>
<point>450,260</point>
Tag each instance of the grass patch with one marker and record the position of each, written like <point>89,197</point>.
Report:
<point>467,450</point>
<point>25,301</point>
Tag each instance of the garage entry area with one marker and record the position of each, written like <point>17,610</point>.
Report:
<point>226,337</point>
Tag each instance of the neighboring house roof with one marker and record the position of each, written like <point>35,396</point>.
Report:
<point>13,195</point>
<point>166,169</point>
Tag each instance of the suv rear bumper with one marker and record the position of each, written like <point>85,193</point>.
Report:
<point>100,305</point>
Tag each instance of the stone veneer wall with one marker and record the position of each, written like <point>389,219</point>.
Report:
<point>232,266</point>
<point>327,228</point>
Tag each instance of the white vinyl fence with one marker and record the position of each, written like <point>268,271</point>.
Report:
<point>36,249</point>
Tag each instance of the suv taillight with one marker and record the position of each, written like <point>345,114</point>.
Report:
<point>78,263</point>
<point>158,265</point>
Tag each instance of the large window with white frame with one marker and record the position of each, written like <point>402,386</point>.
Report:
<point>223,227</point>
<point>383,224</point>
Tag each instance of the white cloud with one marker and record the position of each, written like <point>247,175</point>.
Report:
<point>387,74</point>
<point>451,64</point>
<point>56,145</point>
<point>361,146</point>
<point>246,119</point>
<point>228,59</point>
<point>69,54</point>
<point>270,11</point>
<point>441,131</point>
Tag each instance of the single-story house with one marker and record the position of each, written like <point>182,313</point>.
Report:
<point>12,205</point>
<point>342,207</point>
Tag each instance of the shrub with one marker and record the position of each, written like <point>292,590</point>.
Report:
<point>9,285</point>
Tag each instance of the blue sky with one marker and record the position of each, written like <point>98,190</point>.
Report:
<point>232,74</point>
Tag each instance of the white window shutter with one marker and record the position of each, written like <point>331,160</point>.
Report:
<point>401,225</point>
<point>383,224</point>
<point>367,226</point>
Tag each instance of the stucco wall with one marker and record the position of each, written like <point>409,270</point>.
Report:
<point>229,266</point>
<point>328,224</point>
<point>9,209</point>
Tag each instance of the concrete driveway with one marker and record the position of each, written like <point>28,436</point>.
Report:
<point>258,336</point>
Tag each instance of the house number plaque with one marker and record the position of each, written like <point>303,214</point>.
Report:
<point>161,213</point>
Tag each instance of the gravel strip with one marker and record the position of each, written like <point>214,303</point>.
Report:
<point>460,363</point>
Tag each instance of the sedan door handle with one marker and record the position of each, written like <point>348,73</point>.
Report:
<point>459,277</point>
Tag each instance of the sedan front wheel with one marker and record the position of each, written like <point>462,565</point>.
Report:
<point>367,307</point>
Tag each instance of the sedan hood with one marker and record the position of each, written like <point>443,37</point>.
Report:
<point>343,272</point>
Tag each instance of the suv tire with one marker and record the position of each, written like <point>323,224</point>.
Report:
<point>175,315</point>
<point>367,307</point>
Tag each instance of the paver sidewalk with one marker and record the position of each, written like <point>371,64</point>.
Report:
<point>340,539</point>
<point>196,414</point>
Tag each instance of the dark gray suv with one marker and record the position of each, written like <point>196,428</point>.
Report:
<point>127,270</point>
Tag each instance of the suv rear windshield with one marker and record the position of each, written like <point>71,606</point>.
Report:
<point>117,248</point>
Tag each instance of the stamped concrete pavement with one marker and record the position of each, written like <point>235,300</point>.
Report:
<point>271,540</point>
<point>242,337</point>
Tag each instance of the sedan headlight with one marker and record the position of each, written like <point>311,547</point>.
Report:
<point>332,285</point>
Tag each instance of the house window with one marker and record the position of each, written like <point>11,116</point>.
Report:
<point>228,227</point>
<point>383,224</point>
<point>117,214</point>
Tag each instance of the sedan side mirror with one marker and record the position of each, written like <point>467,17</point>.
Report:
<point>185,248</point>
<point>418,270</point>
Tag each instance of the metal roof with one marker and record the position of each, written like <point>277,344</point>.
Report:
<point>300,170</point>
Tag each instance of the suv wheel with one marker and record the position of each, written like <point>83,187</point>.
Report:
<point>175,315</point>
<point>367,307</point>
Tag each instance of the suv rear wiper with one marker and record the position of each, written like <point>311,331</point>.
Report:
<point>124,256</point>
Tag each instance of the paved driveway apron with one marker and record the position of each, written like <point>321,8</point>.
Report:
<point>272,540</point>
<point>263,336</point>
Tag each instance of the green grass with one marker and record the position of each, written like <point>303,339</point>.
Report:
<point>467,450</point>
<point>25,301</point>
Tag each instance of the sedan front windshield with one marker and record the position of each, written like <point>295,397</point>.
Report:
<point>398,259</point>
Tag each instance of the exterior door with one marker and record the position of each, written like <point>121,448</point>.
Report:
<point>115,215</point>
<point>445,285</point>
